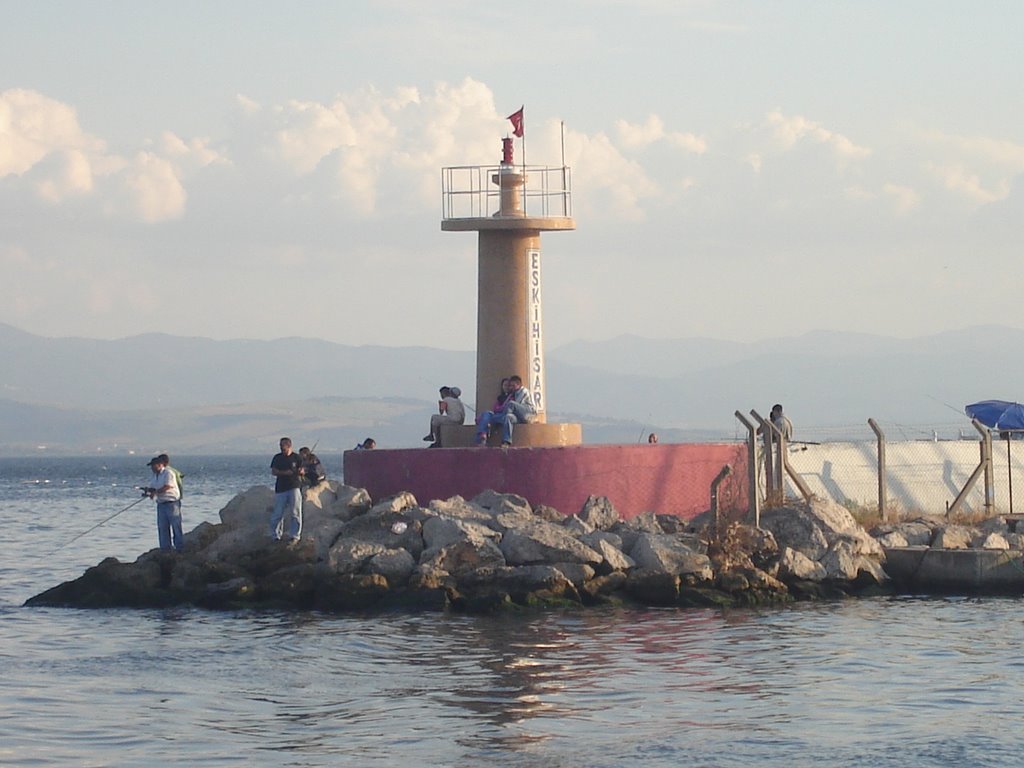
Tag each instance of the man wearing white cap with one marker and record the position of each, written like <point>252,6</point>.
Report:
<point>167,493</point>
<point>450,410</point>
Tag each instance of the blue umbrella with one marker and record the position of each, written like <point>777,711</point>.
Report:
<point>997,414</point>
<point>1004,416</point>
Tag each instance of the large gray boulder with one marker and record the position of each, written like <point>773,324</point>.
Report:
<point>577,527</point>
<point>629,530</point>
<point>667,554</point>
<point>462,556</point>
<point>397,503</point>
<point>388,528</point>
<point>236,543</point>
<point>993,540</point>
<point>396,565</point>
<point>457,508</point>
<point>892,539</point>
<point>953,537</point>
<point>794,564</point>
<point>813,528</point>
<point>503,503</point>
<point>520,582</point>
<point>439,532</point>
<point>538,541</point>
<point>591,539</point>
<point>599,513</point>
<point>351,555</point>
<point>613,558</point>
<point>796,529</point>
<point>249,508</point>
<point>916,533</point>
<point>840,562</point>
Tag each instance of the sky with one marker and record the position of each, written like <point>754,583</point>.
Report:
<point>740,170</point>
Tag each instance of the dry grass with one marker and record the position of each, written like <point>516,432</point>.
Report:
<point>867,515</point>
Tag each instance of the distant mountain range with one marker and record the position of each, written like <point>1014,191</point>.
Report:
<point>196,394</point>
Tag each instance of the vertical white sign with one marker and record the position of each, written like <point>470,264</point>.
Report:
<point>535,333</point>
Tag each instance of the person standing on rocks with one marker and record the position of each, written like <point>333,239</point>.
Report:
<point>286,466</point>
<point>167,493</point>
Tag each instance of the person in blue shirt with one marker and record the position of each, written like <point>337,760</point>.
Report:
<point>518,408</point>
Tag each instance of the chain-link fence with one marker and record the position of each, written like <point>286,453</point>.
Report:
<point>919,476</point>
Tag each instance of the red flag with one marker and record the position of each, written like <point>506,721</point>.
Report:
<point>517,122</point>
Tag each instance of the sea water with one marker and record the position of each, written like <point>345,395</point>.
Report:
<point>874,682</point>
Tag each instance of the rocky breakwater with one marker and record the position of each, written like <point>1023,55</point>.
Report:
<point>495,551</point>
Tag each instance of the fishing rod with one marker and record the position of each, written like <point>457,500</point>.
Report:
<point>102,522</point>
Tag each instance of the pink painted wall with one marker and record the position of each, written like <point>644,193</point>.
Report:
<point>666,478</point>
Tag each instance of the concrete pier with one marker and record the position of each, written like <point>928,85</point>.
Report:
<point>929,570</point>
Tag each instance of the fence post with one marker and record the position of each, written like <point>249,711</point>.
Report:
<point>754,504</point>
<point>786,469</point>
<point>984,468</point>
<point>768,437</point>
<point>990,486</point>
<point>883,505</point>
<point>724,473</point>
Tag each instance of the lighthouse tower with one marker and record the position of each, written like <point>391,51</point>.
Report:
<point>509,206</point>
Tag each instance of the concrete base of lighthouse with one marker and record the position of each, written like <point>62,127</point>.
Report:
<point>673,479</point>
<point>523,436</point>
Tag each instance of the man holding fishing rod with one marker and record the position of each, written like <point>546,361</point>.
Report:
<point>168,503</point>
<point>287,468</point>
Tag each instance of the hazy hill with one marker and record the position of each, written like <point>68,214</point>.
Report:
<point>157,370</point>
<point>155,390</point>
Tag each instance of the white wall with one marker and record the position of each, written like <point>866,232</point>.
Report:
<point>922,476</point>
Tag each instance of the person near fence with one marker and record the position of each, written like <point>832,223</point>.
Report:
<point>781,422</point>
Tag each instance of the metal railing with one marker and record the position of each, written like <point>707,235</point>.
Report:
<point>470,191</point>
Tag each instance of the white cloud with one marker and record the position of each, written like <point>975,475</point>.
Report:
<point>154,191</point>
<point>191,154</point>
<point>62,174</point>
<point>611,185</point>
<point>900,200</point>
<point>246,104</point>
<point>634,136</point>
<point>959,179</point>
<point>789,131</point>
<point>42,143</point>
<point>32,126</point>
<point>903,199</point>
<point>978,168</point>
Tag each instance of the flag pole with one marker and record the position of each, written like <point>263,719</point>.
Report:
<point>522,146</point>
<point>519,130</point>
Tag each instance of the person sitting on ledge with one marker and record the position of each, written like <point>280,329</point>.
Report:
<point>518,408</point>
<point>450,410</point>
<point>367,445</point>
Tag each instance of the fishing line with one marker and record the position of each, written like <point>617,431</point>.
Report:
<point>76,538</point>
